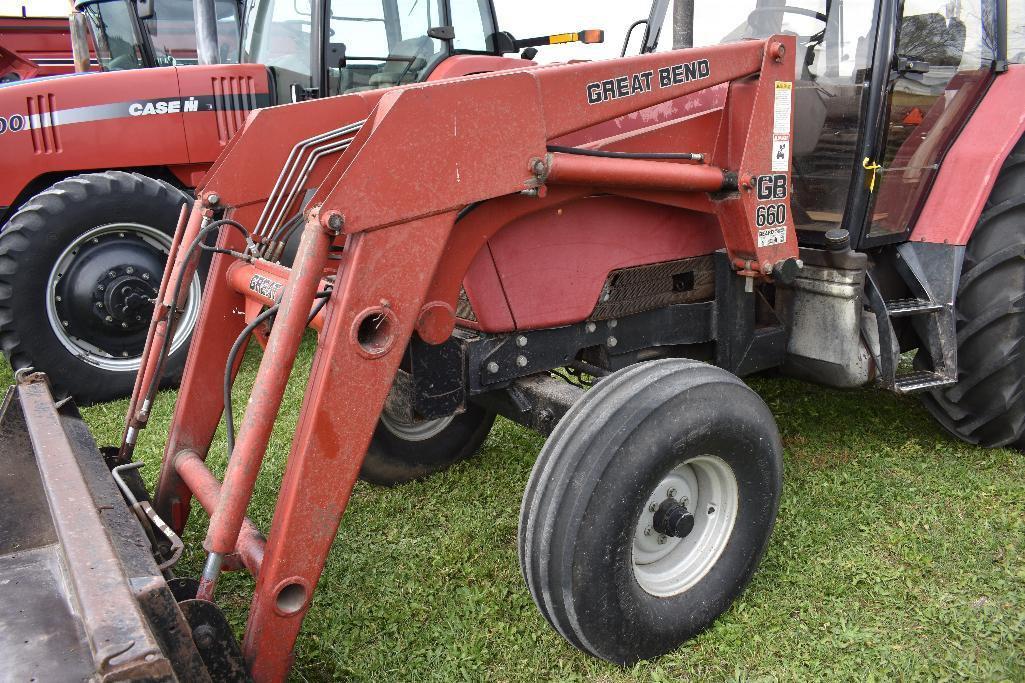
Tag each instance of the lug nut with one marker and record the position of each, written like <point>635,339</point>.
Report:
<point>109,319</point>
<point>521,341</point>
<point>145,276</point>
<point>99,304</point>
<point>612,323</point>
<point>611,341</point>
<point>671,492</point>
<point>711,510</point>
<point>661,539</point>
<point>492,367</point>
<point>590,327</point>
<point>652,507</point>
<point>647,531</point>
<point>521,361</point>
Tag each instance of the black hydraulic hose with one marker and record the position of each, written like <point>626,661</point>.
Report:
<point>165,348</point>
<point>229,419</point>
<point>686,156</point>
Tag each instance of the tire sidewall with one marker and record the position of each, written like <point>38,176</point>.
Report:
<point>624,622</point>
<point>29,305</point>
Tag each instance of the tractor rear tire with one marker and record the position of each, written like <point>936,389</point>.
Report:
<point>987,405</point>
<point>400,452</point>
<point>80,263</point>
<point>675,438</point>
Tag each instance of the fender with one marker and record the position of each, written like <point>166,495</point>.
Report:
<point>970,168</point>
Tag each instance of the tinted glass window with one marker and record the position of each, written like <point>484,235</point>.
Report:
<point>172,30</point>
<point>113,28</point>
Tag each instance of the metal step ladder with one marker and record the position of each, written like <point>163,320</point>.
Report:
<point>931,272</point>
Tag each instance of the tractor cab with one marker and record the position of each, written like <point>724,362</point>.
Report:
<point>880,91</point>
<point>136,34</point>
<point>332,47</point>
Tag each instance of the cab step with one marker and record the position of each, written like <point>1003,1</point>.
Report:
<point>901,307</point>
<point>922,380</point>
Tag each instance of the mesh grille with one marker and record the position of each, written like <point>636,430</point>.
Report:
<point>643,288</point>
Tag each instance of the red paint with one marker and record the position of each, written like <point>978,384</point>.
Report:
<point>468,65</point>
<point>970,168</point>
<point>552,265</point>
<point>39,38</point>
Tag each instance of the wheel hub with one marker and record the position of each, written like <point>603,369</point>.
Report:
<point>102,290</point>
<point>673,519</point>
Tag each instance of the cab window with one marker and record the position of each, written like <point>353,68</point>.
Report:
<point>112,25</point>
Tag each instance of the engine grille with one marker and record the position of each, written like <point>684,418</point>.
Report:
<point>642,288</point>
<point>234,98</point>
<point>45,139</point>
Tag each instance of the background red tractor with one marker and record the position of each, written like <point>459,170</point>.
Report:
<point>106,160</point>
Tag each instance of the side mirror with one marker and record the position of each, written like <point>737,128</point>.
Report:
<point>442,33</point>
<point>334,55</point>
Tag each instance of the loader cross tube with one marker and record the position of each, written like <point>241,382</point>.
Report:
<point>405,253</point>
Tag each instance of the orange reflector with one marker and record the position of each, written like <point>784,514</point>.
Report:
<point>562,38</point>
<point>590,36</point>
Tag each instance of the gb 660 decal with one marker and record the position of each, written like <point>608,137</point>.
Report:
<point>771,219</point>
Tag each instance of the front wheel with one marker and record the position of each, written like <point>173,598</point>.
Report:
<point>650,507</point>
<point>80,268</point>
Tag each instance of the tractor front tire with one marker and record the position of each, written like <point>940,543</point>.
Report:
<point>987,405</point>
<point>400,451</point>
<point>80,264</point>
<point>650,507</point>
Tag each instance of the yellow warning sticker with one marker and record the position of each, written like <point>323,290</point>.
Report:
<point>782,107</point>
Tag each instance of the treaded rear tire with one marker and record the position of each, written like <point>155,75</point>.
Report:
<point>588,492</point>
<point>31,244</point>
<point>987,405</point>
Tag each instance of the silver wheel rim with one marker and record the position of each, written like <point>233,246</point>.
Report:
<point>82,349</point>
<point>417,430</point>
<point>665,565</point>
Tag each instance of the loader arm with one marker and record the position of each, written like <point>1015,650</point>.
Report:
<point>391,192</point>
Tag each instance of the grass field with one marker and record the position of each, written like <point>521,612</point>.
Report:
<point>899,553</point>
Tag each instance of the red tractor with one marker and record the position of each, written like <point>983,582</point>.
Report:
<point>651,228</point>
<point>106,160</point>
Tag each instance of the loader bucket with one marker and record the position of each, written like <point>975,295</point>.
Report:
<point>81,595</point>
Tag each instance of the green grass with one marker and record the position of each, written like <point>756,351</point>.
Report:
<point>899,553</point>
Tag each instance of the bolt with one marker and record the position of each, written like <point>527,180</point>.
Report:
<point>145,276</point>
<point>111,274</point>
<point>109,319</point>
<point>647,531</point>
<point>711,510</point>
<point>539,167</point>
<point>590,327</point>
<point>521,361</point>
<point>58,298</point>
<point>64,323</point>
<point>124,324</point>
<point>611,341</point>
<point>492,367</point>
<point>652,507</point>
<point>99,304</point>
<point>521,341</point>
<point>661,539</point>
<point>100,288</point>
<point>671,492</point>
<point>95,240</point>
<point>605,298</point>
<point>204,636</point>
<point>124,354</point>
<point>213,199</point>
<point>129,270</point>
<point>612,323</point>
<point>335,221</point>
<point>121,235</point>
<point>138,317</point>
<point>767,268</point>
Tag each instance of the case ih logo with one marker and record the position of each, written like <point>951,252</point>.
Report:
<point>174,106</point>
<point>625,86</point>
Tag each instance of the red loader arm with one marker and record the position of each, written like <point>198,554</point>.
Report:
<point>394,193</point>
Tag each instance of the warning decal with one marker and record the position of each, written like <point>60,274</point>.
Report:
<point>770,236</point>
<point>781,107</point>
<point>781,152</point>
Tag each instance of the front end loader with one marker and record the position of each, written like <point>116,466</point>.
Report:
<point>604,271</point>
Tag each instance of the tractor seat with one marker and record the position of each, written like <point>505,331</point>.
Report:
<point>400,70</point>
